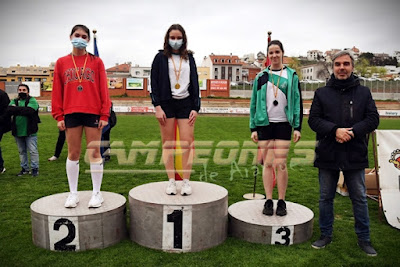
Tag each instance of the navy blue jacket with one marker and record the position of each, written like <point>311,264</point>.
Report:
<point>161,85</point>
<point>342,104</point>
<point>5,118</point>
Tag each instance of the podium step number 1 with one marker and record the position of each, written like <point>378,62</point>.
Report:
<point>177,228</point>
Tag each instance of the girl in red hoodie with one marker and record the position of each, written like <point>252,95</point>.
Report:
<point>80,102</point>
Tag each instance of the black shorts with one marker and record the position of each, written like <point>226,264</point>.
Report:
<point>275,130</point>
<point>81,119</point>
<point>177,108</point>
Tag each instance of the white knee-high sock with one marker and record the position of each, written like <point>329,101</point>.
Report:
<point>72,167</point>
<point>96,171</point>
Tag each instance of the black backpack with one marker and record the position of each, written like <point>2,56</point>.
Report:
<point>113,117</point>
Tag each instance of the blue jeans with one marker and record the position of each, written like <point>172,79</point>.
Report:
<point>355,182</point>
<point>28,143</point>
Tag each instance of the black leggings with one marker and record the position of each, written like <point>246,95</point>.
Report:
<point>60,143</point>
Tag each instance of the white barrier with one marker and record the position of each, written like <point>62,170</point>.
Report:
<point>388,143</point>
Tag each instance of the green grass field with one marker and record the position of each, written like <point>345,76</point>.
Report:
<point>17,193</point>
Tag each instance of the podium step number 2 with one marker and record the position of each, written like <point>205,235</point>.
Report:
<point>63,233</point>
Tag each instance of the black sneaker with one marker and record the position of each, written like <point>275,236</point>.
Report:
<point>281,208</point>
<point>2,170</point>
<point>23,172</point>
<point>367,248</point>
<point>322,242</point>
<point>268,207</point>
<point>35,172</point>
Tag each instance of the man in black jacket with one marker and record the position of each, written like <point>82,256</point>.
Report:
<point>342,114</point>
<point>5,123</point>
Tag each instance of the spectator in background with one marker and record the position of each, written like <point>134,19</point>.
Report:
<point>24,110</point>
<point>105,137</point>
<point>59,146</point>
<point>5,123</point>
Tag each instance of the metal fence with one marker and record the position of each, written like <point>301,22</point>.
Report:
<point>381,90</point>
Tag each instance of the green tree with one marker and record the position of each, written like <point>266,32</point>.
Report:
<point>361,67</point>
<point>368,56</point>
<point>295,64</point>
<point>382,72</point>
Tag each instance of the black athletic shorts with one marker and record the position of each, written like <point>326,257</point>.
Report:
<point>177,108</point>
<point>275,130</point>
<point>81,119</point>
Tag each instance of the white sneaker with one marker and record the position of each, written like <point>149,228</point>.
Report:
<point>96,200</point>
<point>52,158</point>
<point>171,188</point>
<point>186,189</point>
<point>72,200</point>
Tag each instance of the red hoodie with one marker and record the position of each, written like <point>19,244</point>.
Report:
<point>68,97</point>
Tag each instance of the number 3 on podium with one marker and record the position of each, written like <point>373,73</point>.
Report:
<point>282,235</point>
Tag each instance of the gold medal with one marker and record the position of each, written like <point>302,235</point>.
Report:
<point>177,73</point>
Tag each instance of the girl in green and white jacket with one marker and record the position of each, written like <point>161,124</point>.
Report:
<point>275,109</point>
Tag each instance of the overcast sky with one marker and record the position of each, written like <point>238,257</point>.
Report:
<point>36,32</point>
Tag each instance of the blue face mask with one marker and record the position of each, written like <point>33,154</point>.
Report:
<point>79,43</point>
<point>175,44</point>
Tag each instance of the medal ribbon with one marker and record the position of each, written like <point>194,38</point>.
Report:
<point>80,77</point>
<point>177,73</point>
<point>275,88</point>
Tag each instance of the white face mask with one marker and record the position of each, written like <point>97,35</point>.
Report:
<point>175,44</point>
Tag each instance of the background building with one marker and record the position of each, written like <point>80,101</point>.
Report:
<point>319,71</point>
<point>120,70</point>
<point>140,72</point>
<point>314,55</point>
<point>27,73</point>
<point>224,67</point>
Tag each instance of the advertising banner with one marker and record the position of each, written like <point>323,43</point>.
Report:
<point>115,82</point>
<point>219,85</point>
<point>134,83</point>
<point>388,144</point>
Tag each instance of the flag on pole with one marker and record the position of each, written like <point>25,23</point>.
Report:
<point>178,155</point>
<point>96,51</point>
<point>268,62</point>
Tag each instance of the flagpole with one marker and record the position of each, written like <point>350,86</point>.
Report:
<point>95,51</point>
<point>259,158</point>
<point>267,62</point>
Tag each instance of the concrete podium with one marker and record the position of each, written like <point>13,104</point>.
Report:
<point>55,227</point>
<point>176,223</point>
<point>247,222</point>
